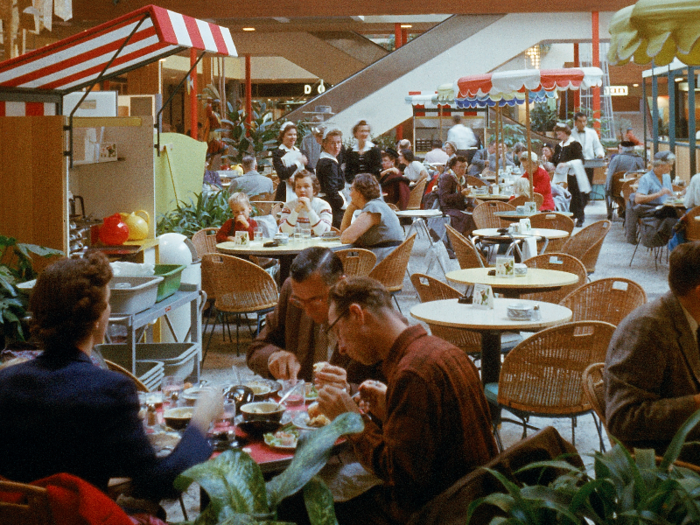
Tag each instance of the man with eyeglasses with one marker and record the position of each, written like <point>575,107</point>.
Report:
<point>295,334</point>
<point>429,425</point>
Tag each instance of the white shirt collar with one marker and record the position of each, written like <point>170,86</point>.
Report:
<point>326,155</point>
<point>368,145</point>
<point>285,148</point>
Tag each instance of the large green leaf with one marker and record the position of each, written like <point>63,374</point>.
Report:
<point>319,502</point>
<point>312,454</point>
<point>233,482</point>
<point>674,449</point>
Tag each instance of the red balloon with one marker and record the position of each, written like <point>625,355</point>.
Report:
<point>114,231</point>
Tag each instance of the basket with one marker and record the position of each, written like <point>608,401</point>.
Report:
<point>171,274</point>
<point>140,295</point>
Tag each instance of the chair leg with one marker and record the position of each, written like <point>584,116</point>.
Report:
<point>397,302</point>
<point>634,253</point>
<point>573,430</point>
<point>497,436</point>
<point>599,428</point>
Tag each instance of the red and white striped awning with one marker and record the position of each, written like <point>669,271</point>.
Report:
<point>77,61</point>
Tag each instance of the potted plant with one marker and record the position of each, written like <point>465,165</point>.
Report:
<point>624,489</point>
<point>239,495</point>
<point>205,210</point>
<point>16,267</point>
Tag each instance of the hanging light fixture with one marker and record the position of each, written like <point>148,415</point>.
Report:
<point>534,55</point>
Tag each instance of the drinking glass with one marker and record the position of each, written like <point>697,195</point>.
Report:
<point>172,388</point>
<point>306,233</point>
<point>226,420</point>
<point>258,234</point>
<point>296,398</point>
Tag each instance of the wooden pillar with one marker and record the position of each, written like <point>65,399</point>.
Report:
<point>248,92</point>
<point>194,119</point>
<point>596,63</point>
<point>398,42</point>
<point>691,119</point>
<point>577,93</point>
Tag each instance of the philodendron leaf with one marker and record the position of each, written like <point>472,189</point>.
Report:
<point>674,449</point>
<point>318,499</point>
<point>233,482</point>
<point>312,453</point>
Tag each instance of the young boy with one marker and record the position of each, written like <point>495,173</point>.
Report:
<point>241,222</point>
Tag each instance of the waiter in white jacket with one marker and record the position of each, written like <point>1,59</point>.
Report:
<point>590,143</point>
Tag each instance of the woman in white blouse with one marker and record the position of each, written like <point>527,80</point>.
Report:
<point>307,210</point>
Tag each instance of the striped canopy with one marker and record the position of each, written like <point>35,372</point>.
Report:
<point>435,99</point>
<point>76,62</point>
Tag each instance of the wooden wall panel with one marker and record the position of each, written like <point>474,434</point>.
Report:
<point>33,181</point>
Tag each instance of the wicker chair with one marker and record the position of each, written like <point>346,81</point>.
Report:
<point>416,196</point>
<point>476,181</point>
<point>267,207</point>
<point>467,254</point>
<point>616,197</point>
<point>391,270</point>
<point>431,289</point>
<point>594,392</point>
<point>484,217</point>
<point>586,244</point>
<point>357,261</point>
<point>692,226</point>
<point>609,300</point>
<point>205,241</point>
<point>542,376</point>
<point>34,509</point>
<point>553,221</point>
<point>520,200</point>
<point>561,262</point>
<point>114,367</point>
<point>241,288</point>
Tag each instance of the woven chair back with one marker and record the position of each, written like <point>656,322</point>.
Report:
<point>416,196</point>
<point>594,392</point>
<point>563,263</point>
<point>544,373</point>
<point>240,286</point>
<point>553,221</point>
<point>267,207</point>
<point>609,300</point>
<point>391,270</point>
<point>484,217</point>
<point>520,200</point>
<point>627,190</point>
<point>467,254</point>
<point>114,367</point>
<point>431,289</point>
<point>476,181</point>
<point>205,241</point>
<point>692,228</point>
<point>586,244</point>
<point>616,184</point>
<point>357,261</point>
<point>34,510</point>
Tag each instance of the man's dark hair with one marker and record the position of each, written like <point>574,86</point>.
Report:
<point>454,160</point>
<point>580,114</point>
<point>684,268</point>
<point>456,119</point>
<point>247,163</point>
<point>317,259</point>
<point>437,143</point>
<point>364,291</point>
<point>408,155</point>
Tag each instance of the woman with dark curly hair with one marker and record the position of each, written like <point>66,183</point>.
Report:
<point>61,413</point>
<point>377,227</point>
<point>286,159</point>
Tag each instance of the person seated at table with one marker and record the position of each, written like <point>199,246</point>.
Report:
<point>520,187</point>
<point>454,199</point>
<point>392,181</point>
<point>241,221</point>
<point>431,422</point>
<point>294,336</point>
<point>626,160</point>
<point>436,155</point>
<point>251,182</point>
<point>377,227</point>
<point>692,193</point>
<point>540,179</point>
<point>306,210</point>
<point>61,413</point>
<point>414,170</point>
<point>451,149</point>
<point>652,366</point>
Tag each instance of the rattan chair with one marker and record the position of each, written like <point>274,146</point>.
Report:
<point>205,241</point>
<point>616,197</point>
<point>609,300</point>
<point>563,263</point>
<point>431,289</point>
<point>476,181</point>
<point>484,217</point>
<point>114,367</point>
<point>692,226</point>
<point>33,509</point>
<point>594,391</point>
<point>357,261</point>
<point>468,256</point>
<point>391,270</point>
<point>267,207</point>
<point>392,206</point>
<point>416,196</point>
<point>553,221</point>
<point>542,376</point>
<point>586,244</point>
<point>241,288</point>
<point>520,200</point>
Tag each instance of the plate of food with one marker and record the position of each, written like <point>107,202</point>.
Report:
<point>284,439</point>
<point>311,420</point>
<point>263,388</point>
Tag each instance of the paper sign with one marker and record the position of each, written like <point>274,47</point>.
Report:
<point>242,239</point>
<point>525,226</point>
<point>505,266</point>
<point>531,207</point>
<point>482,297</point>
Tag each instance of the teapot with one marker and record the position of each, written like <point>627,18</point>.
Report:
<point>137,222</point>
<point>114,231</point>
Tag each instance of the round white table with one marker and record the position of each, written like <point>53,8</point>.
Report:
<point>284,252</point>
<point>536,280</point>
<point>493,235</point>
<point>490,323</point>
<point>515,216</point>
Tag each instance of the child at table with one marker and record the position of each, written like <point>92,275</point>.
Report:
<point>306,210</point>
<point>241,221</point>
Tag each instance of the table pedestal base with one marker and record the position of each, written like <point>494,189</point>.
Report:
<point>491,364</point>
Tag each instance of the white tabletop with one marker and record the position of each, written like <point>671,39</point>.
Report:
<point>292,248</point>
<point>419,214</point>
<point>449,312</point>
<point>515,215</point>
<point>535,232</point>
<point>535,278</point>
<point>490,197</point>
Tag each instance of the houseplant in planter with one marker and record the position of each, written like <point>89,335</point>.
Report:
<point>239,495</point>
<point>16,267</point>
<point>625,489</point>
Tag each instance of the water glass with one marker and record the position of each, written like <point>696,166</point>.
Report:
<point>172,388</point>
<point>306,234</point>
<point>258,234</point>
<point>296,398</point>
<point>226,420</point>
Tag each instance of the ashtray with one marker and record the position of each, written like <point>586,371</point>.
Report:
<point>520,269</point>
<point>282,238</point>
<point>523,312</point>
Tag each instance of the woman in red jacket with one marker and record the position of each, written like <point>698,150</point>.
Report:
<point>540,179</point>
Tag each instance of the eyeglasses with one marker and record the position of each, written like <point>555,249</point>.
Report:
<point>330,326</point>
<point>306,303</point>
